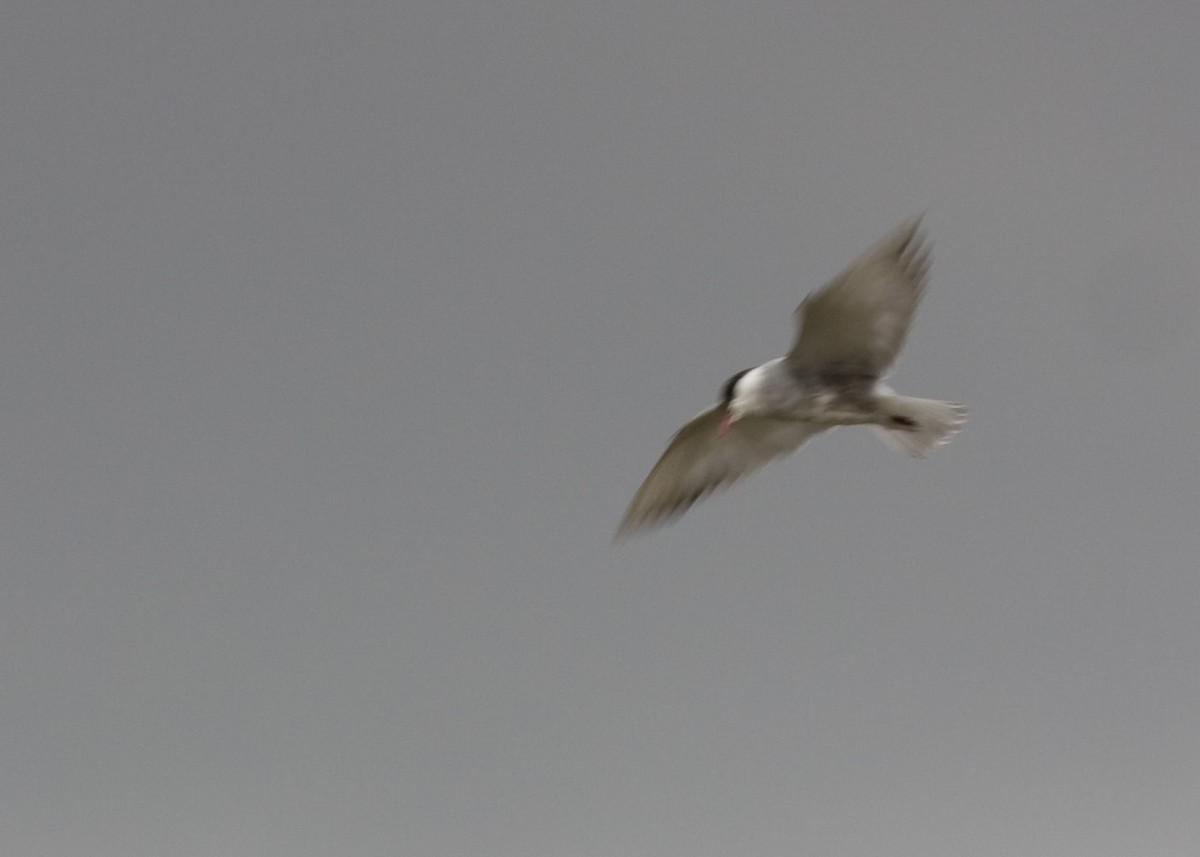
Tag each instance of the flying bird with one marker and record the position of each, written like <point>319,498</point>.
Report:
<point>848,335</point>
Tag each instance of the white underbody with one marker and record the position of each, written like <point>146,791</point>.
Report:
<point>913,426</point>
<point>773,390</point>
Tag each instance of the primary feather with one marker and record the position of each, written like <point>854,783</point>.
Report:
<point>698,461</point>
<point>857,323</point>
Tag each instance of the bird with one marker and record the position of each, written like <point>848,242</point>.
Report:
<point>848,334</point>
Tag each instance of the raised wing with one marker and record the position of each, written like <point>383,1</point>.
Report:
<point>698,461</point>
<point>856,324</point>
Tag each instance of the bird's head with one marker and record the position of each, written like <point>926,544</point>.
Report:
<point>733,400</point>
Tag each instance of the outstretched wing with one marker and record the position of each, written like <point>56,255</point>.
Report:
<point>856,324</point>
<point>698,461</point>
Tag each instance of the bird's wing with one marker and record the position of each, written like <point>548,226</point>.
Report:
<point>698,460</point>
<point>856,324</point>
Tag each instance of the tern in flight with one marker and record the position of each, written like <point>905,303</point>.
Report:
<point>848,334</point>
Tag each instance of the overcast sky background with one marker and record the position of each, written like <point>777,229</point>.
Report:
<point>334,339</point>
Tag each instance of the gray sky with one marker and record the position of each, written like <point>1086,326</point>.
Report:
<point>334,339</point>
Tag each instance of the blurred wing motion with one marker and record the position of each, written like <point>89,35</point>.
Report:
<point>856,324</point>
<point>698,461</point>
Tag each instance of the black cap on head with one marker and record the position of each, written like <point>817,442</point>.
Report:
<point>727,390</point>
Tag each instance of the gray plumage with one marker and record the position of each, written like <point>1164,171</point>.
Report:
<point>848,335</point>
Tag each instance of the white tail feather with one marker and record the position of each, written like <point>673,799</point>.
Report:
<point>920,424</point>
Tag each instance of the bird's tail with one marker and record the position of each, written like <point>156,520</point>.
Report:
<point>916,426</point>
